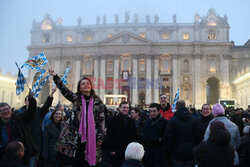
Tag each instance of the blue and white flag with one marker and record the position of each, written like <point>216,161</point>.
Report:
<point>176,98</point>
<point>64,78</point>
<point>43,81</point>
<point>36,62</point>
<point>20,82</point>
<point>37,79</point>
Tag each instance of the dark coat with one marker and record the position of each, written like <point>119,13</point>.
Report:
<point>9,160</point>
<point>132,163</point>
<point>237,119</point>
<point>217,151</point>
<point>182,134</point>
<point>153,134</point>
<point>121,131</point>
<point>19,127</point>
<point>204,122</point>
<point>50,138</point>
<point>244,151</point>
<point>35,124</point>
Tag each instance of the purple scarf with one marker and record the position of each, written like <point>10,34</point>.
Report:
<point>88,135</point>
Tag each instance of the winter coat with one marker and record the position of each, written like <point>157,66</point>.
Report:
<point>50,138</point>
<point>167,112</point>
<point>35,124</point>
<point>132,163</point>
<point>217,151</point>
<point>244,151</point>
<point>121,131</point>
<point>68,139</point>
<point>233,130</point>
<point>237,119</point>
<point>182,134</point>
<point>205,122</point>
<point>153,142</point>
<point>20,129</point>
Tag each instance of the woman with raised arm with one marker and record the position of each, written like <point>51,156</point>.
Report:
<point>85,128</point>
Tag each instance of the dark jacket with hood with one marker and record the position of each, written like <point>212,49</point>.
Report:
<point>182,134</point>
<point>217,151</point>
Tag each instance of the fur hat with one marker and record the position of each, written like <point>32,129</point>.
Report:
<point>218,110</point>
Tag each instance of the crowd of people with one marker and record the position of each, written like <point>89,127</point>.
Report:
<point>89,134</point>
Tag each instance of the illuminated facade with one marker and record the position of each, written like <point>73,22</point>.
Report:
<point>142,60</point>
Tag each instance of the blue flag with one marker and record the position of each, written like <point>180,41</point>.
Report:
<point>20,82</point>
<point>37,79</point>
<point>36,62</point>
<point>176,98</point>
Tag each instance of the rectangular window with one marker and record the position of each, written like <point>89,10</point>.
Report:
<point>46,37</point>
<point>165,36</point>
<point>185,36</point>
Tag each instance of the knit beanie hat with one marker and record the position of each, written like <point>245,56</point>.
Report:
<point>218,110</point>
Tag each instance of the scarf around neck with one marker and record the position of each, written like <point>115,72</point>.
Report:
<point>87,131</point>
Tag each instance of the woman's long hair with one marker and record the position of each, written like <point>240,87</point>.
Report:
<point>92,91</point>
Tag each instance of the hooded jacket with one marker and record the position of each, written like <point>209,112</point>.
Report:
<point>217,151</point>
<point>182,134</point>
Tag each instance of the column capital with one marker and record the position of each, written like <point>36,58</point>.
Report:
<point>226,56</point>
<point>175,56</point>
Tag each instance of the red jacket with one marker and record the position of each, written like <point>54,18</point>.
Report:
<point>167,112</point>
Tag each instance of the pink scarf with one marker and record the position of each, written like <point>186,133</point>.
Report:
<point>88,135</point>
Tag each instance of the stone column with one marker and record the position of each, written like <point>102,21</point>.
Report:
<point>115,78</point>
<point>148,81</point>
<point>77,73</point>
<point>103,78</point>
<point>197,81</point>
<point>96,74</point>
<point>135,78</point>
<point>175,75</point>
<point>156,79</point>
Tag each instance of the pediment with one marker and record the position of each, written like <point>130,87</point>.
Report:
<point>125,38</point>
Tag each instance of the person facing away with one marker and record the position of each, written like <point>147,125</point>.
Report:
<point>152,137</point>
<point>133,155</point>
<point>182,134</point>
<point>244,149</point>
<point>217,151</point>
<point>219,114</point>
<point>79,137</point>
<point>50,138</point>
<point>13,155</point>
<point>165,107</point>
<point>121,131</point>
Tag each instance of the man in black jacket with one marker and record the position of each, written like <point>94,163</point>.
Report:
<point>35,125</point>
<point>121,131</point>
<point>182,134</point>
<point>153,132</point>
<point>14,126</point>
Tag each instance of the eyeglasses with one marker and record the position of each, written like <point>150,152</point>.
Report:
<point>5,109</point>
